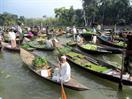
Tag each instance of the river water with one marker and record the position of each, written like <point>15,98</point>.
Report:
<point>18,82</point>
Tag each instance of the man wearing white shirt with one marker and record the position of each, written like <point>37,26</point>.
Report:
<point>64,71</point>
<point>12,37</point>
<point>74,33</point>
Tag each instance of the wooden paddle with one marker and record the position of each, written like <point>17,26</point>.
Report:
<point>63,94</point>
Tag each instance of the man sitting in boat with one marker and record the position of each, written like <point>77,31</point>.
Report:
<point>64,72</point>
<point>12,37</point>
<point>48,43</point>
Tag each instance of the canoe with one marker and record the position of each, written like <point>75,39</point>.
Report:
<point>27,58</point>
<point>17,40</point>
<point>17,49</point>
<point>37,46</point>
<point>93,49</point>
<point>71,43</point>
<point>8,47</point>
<point>109,43</point>
<point>114,50</point>
<point>97,67</point>
<point>87,37</point>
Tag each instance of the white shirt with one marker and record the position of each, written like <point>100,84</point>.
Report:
<point>19,29</point>
<point>98,27</point>
<point>65,72</point>
<point>84,30</point>
<point>12,36</point>
<point>48,44</point>
<point>78,38</point>
<point>74,30</point>
<point>94,30</point>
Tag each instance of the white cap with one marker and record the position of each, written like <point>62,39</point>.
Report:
<point>63,57</point>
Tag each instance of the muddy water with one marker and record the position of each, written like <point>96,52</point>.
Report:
<point>18,82</point>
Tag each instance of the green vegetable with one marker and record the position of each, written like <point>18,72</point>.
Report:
<point>25,46</point>
<point>80,59</point>
<point>37,44</point>
<point>89,32</point>
<point>64,50</point>
<point>120,43</point>
<point>89,46</point>
<point>73,55</point>
<point>39,62</point>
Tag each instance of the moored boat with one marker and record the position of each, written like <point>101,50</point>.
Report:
<point>8,47</point>
<point>109,43</point>
<point>98,68</point>
<point>93,49</point>
<point>38,46</point>
<point>27,58</point>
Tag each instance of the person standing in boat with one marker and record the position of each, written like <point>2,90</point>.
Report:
<point>128,57</point>
<point>80,39</point>
<point>19,31</point>
<point>74,30</point>
<point>12,37</point>
<point>64,71</point>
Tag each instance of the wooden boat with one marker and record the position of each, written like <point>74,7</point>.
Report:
<point>114,50</point>
<point>18,41</point>
<point>37,46</point>
<point>87,37</point>
<point>98,67</point>
<point>96,50</point>
<point>109,43</point>
<point>8,47</point>
<point>27,59</point>
<point>17,49</point>
<point>72,43</point>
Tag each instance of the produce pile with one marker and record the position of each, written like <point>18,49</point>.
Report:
<point>120,43</point>
<point>64,50</point>
<point>39,62</point>
<point>36,44</point>
<point>80,59</point>
<point>71,43</point>
<point>25,46</point>
<point>89,32</point>
<point>89,46</point>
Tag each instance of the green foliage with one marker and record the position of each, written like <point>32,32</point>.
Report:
<point>121,43</point>
<point>36,44</point>
<point>67,17</point>
<point>95,67</point>
<point>25,46</point>
<point>89,46</point>
<point>64,50</point>
<point>89,32</point>
<point>73,54</point>
<point>107,11</point>
<point>39,62</point>
<point>80,59</point>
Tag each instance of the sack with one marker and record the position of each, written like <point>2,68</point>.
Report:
<point>44,73</point>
